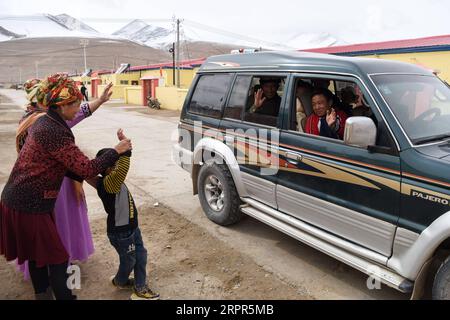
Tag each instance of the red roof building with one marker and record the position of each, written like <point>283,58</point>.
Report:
<point>429,44</point>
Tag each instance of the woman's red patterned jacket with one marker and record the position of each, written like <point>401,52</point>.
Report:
<point>49,152</point>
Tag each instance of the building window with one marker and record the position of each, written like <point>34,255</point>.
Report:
<point>124,82</point>
<point>134,83</point>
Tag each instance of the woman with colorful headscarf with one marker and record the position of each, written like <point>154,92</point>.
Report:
<point>27,226</point>
<point>71,214</point>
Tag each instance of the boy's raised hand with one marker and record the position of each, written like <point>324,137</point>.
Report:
<point>120,135</point>
<point>123,146</point>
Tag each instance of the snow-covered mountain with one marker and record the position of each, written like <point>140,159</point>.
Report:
<point>162,36</point>
<point>159,36</point>
<point>72,24</point>
<point>43,25</point>
<point>7,35</point>
<point>314,40</point>
<point>149,35</point>
<point>131,28</point>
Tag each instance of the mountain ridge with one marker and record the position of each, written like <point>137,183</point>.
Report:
<point>152,35</point>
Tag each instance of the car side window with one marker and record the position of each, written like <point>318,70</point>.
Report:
<point>264,102</point>
<point>210,95</point>
<point>238,98</point>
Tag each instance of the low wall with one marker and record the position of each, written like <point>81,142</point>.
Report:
<point>171,98</point>
<point>133,95</point>
<point>118,91</point>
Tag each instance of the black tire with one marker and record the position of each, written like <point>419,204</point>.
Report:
<point>230,213</point>
<point>441,284</point>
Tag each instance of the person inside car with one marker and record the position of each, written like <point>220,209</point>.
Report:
<point>325,120</point>
<point>353,97</point>
<point>324,84</point>
<point>267,101</point>
<point>302,102</point>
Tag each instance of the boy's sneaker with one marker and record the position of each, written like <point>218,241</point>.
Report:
<point>144,294</point>
<point>127,286</point>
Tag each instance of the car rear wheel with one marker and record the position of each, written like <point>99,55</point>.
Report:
<point>441,284</point>
<point>218,195</point>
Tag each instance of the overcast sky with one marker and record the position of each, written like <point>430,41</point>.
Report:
<point>351,21</point>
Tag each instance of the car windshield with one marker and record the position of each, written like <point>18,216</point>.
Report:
<point>420,103</point>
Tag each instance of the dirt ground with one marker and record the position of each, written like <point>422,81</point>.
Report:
<point>184,261</point>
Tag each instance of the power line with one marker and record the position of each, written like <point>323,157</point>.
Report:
<point>105,20</point>
<point>185,43</point>
<point>234,35</point>
<point>211,44</point>
<point>195,24</point>
<point>121,20</point>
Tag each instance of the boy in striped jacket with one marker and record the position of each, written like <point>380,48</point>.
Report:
<point>122,227</point>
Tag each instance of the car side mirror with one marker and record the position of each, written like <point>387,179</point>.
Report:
<point>360,131</point>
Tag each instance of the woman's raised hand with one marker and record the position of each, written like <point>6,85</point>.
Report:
<point>107,93</point>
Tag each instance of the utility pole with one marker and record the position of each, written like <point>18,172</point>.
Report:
<point>36,63</point>
<point>172,50</point>
<point>20,75</point>
<point>178,53</point>
<point>84,43</point>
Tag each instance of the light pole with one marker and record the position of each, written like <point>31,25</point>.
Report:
<point>178,53</point>
<point>172,50</point>
<point>36,63</point>
<point>84,43</point>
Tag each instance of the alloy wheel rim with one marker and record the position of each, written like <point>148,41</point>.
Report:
<point>214,193</point>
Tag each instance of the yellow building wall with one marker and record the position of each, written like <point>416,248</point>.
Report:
<point>151,73</point>
<point>118,91</point>
<point>133,95</point>
<point>171,98</point>
<point>186,77</point>
<point>437,61</point>
<point>116,78</point>
<point>86,80</point>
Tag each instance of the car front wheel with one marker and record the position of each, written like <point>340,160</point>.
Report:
<point>218,195</point>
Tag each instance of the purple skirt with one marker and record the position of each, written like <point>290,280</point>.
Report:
<point>72,223</point>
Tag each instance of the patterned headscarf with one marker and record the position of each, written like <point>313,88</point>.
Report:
<point>58,90</point>
<point>33,105</point>
<point>33,112</point>
<point>30,84</point>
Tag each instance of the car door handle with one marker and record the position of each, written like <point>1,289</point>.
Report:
<point>293,157</point>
